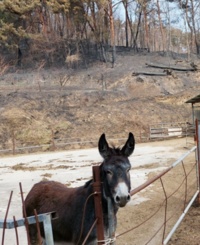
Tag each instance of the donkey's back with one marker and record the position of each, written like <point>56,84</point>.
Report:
<point>68,203</point>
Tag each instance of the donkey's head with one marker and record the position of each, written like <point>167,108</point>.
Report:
<point>115,170</point>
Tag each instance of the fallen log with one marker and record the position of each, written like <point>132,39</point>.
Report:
<point>150,73</point>
<point>172,67</point>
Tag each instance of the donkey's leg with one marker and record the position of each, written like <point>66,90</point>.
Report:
<point>33,234</point>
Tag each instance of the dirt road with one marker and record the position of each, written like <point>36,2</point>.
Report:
<point>147,161</point>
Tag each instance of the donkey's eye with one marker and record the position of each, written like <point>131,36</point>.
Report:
<point>109,172</point>
<point>128,169</point>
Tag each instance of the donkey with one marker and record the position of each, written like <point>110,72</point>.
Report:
<point>74,206</point>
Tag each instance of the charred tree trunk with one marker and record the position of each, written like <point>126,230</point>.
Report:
<point>161,25</point>
<point>112,33</point>
<point>137,30</point>
<point>146,38</point>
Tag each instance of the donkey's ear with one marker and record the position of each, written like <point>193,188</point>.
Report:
<point>104,148</point>
<point>129,147</point>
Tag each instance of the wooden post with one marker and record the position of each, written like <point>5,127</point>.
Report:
<point>98,204</point>
<point>52,140</point>
<point>13,142</point>
<point>198,154</point>
<point>112,32</point>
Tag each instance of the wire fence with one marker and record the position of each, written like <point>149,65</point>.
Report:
<point>159,131</point>
<point>47,217</point>
<point>172,204</point>
<point>26,221</point>
<point>166,208</point>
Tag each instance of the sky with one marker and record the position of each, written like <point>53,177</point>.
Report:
<point>175,14</point>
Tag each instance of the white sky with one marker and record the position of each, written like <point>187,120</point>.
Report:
<point>175,14</point>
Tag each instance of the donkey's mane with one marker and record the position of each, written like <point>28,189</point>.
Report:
<point>116,150</point>
<point>88,183</point>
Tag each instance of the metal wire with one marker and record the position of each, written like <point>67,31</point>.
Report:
<point>83,217</point>
<point>6,217</point>
<point>165,202</point>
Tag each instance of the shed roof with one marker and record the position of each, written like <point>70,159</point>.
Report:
<point>194,100</point>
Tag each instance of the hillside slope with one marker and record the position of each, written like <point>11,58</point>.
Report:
<point>84,103</point>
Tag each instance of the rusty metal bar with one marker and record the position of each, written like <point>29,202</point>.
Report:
<point>16,233</point>
<point>38,227</point>
<point>45,218</point>
<point>135,227</point>
<point>98,204</point>
<point>186,185</point>
<point>150,181</point>
<point>158,231</point>
<point>165,216</point>
<point>5,219</point>
<point>92,227</point>
<point>83,217</point>
<point>182,181</point>
<point>24,214</point>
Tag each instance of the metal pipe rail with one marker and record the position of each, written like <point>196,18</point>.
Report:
<point>44,218</point>
<point>150,181</point>
<point>180,218</point>
<point>10,224</point>
<point>166,238</point>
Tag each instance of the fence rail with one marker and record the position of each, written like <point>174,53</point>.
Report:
<point>166,236</point>
<point>38,218</point>
<point>159,177</point>
<point>187,202</point>
<point>47,217</point>
<point>156,132</point>
<point>167,130</point>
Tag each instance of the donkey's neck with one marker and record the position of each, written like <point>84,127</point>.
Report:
<point>108,202</point>
<point>109,208</point>
<point>109,214</point>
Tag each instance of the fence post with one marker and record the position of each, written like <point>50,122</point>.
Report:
<point>98,204</point>
<point>48,230</point>
<point>52,140</point>
<point>13,141</point>
<point>198,153</point>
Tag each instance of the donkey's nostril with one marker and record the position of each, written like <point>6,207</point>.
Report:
<point>117,199</point>
<point>122,200</point>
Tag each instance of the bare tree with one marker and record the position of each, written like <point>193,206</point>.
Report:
<point>160,24</point>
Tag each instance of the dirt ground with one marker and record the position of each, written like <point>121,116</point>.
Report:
<point>148,160</point>
<point>146,221</point>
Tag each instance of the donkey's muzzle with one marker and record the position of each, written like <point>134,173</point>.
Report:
<point>121,201</point>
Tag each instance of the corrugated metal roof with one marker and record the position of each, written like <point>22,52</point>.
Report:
<point>194,100</point>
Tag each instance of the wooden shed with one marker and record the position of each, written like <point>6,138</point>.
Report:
<point>195,102</point>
